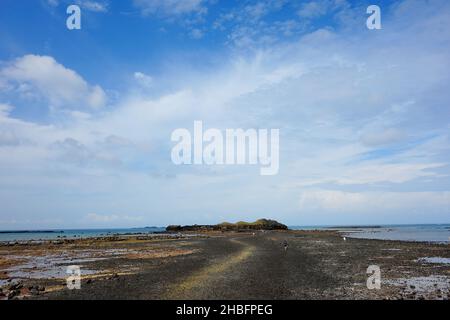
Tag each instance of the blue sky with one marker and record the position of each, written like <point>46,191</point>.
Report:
<point>86,115</point>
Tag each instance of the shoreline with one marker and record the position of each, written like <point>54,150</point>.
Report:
<point>169,234</point>
<point>390,232</point>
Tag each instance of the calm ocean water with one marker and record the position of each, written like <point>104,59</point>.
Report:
<point>422,232</point>
<point>71,234</point>
<point>419,232</point>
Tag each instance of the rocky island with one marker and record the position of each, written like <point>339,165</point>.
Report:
<point>261,224</point>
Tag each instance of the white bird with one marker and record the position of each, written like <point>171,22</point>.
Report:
<point>344,238</point>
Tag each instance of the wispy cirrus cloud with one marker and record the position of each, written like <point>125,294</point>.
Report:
<point>143,79</point>
<point>316,9</point>
<point>94,6</point>
<point>89,5</point>
<point>170,8</point>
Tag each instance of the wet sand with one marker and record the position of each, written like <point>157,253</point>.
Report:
<point>230,265</point>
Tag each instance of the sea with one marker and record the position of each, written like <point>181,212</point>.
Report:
<point>439,233</point>
<point>36,235</point>
<point>417,232</point>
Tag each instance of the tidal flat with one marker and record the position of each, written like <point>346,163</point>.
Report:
<point>225,265</point>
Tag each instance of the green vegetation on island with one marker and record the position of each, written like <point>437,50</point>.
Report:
<point>261,224</point>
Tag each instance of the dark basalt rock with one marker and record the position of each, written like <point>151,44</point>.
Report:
<point>34,292</point>
<point>15,286</point>
<point>13,294</point>
<point>261,224</point>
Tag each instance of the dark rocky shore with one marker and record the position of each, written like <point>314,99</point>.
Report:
<point>261,224</point>
<point>225,265</point>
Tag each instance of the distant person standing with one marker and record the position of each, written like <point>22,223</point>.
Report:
<point>285,245</point>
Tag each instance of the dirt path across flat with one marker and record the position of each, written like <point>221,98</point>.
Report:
<point>260,269</point>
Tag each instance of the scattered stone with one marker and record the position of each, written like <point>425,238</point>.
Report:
<point>36,288</point>
<point>34,292</point>
<point>15,286</point>
<point>24,291</point>
<point>12,294</point>
<point>89,281</point>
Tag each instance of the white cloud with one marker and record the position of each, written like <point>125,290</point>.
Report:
<point>372,202</point>
<point>313,9</point>
<point>394,173</point>
<point>385,137</point>
<point>90,5</point>
<point>62,87</point>
<point>364,174</point>
<point>5,109</point>
<point>53,3</point>
<point>255,25</point>
<point>94,6</point>
<point>143,79</point>
<point>196,34</point>
<point>93,217</point>
<point>112,219</point>
<point>171,7</point>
